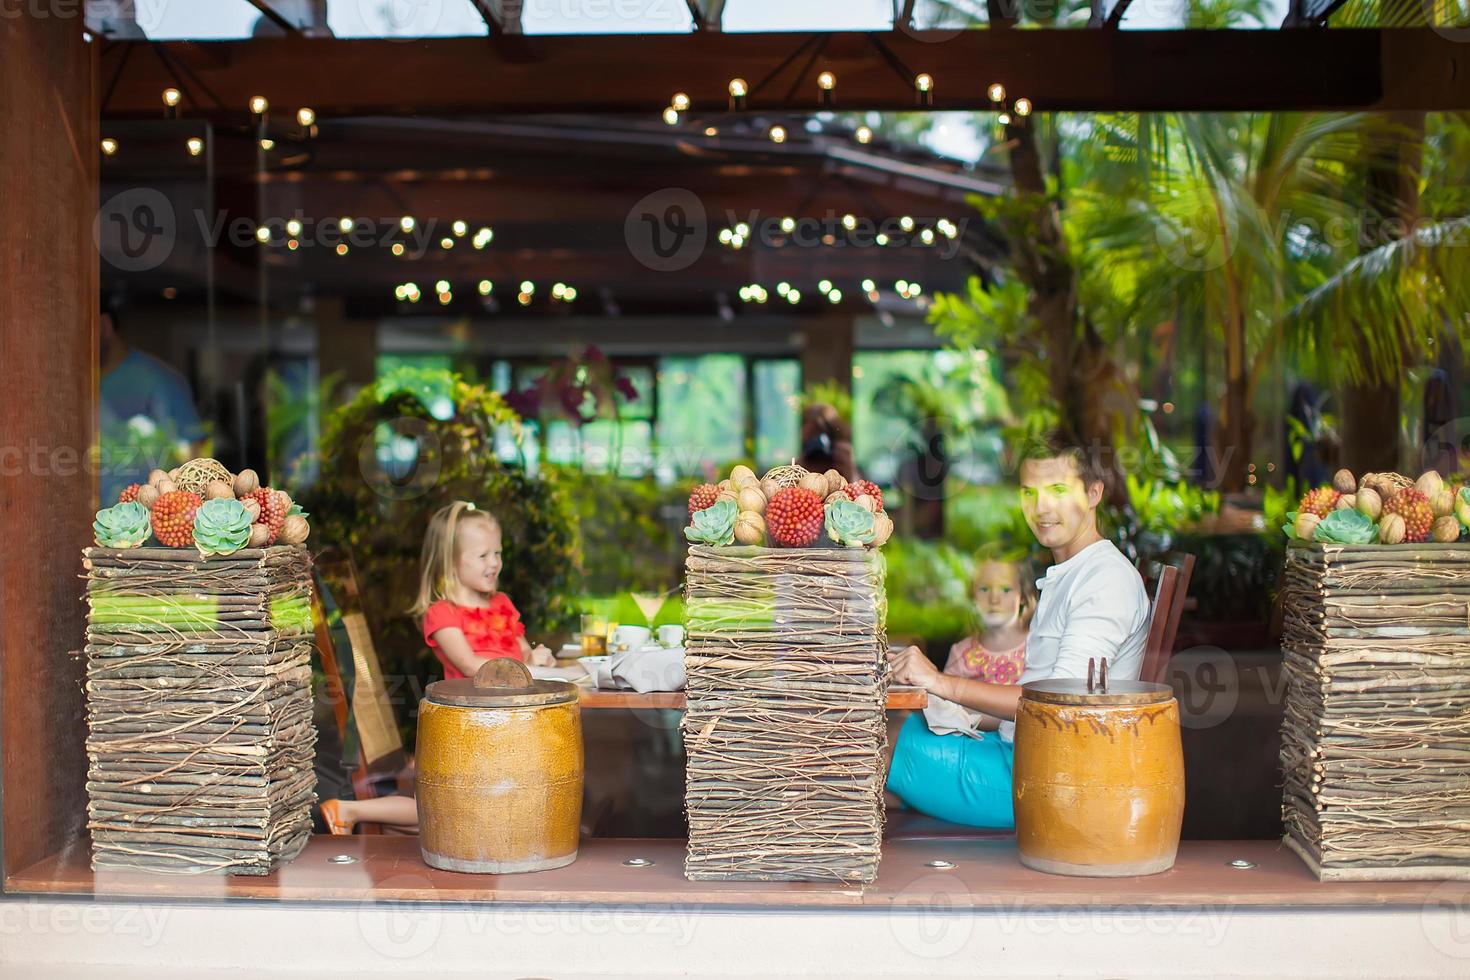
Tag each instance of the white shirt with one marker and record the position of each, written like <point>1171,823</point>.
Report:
<point>1092,605</point>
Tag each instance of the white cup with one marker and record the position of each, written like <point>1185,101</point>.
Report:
<point>671,635</point>
<point>631,637</point>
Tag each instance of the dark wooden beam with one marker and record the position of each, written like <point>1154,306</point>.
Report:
<point>1071,70</point>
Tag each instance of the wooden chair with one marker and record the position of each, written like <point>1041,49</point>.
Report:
<point>383,766</point>
<point>1170,593</point>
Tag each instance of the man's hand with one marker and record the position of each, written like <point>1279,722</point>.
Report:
<point>912,669</point>
<point>540,656</point>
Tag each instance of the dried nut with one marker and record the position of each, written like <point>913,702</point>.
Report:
<point>1430,484</point>
<point>750,500</point>
<point>260,535</point>
<point>769,486</point>
<point>1306,525</point>
<point>882,529</point>
<point>1391,529</point>
<point>246,482</point>
<point>750,528</point>
<point>148,496</point>
<point>173,474</point>
<point>218,490</point>
<point>1443,504</point>
<point>835,481</point>
<point>166,485</point>
<point>1369,503</point>
<point>294,531</point>
<point>835,496</point>
<point>1445,530</point>
<point>740,474</point>
<point>866,502</point>
<point>1344,481</point>
<point>156,476</point>
<point>816,483</point>
<point>252,507</point>
<point>726,485</point>
<point>1347,501</point>
<point>729,495</point>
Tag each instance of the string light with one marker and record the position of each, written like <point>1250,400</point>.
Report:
<point>109,146</point>
<point>558,290</point>
<point>405,224</point>
<point>258,106</point>
<point>711,131</point>
<point>927,236</point>
<point>446,242</point>
<point>680,102</point>
<point>267,144</point>
<point>835,295</point>
<point>996,92</point>
<point>528,287</point>
<point>397,249</point>
<point>1004,118</point>
<point>778,134</point>
<point>305,118</point>
<point>195,145</point>
<point>459,229</point>
<point>906,223</point>
<point>924,88</point>
<point>446,298</point>
<point>671,116</point>
<point>849,222</point>
<point>524,298</point>
<point>826,82</point>
<point>869,285</point>
<point>342,248</point>
<point>293,244</point>
<point>262,234</point>
<point>864,135</point>
<point>171,99</point>
<point>793,296</point>
<point>738,91</point>
<point>825,285</point>
<point>483,237</point>
<point>411,290</point>
<point>743,230</point>
<point>571,294</point>
<point>346,224</point>
<point>1023,106</point>
<point>293,227</point>
<point>486,287</point>
<point>881,238</point>
<point>788,225</point>
<point>782,288</point>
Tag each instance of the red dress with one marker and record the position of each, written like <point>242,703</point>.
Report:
<point>492,631</point>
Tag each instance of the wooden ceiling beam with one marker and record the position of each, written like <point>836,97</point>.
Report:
<point>1059,70</point>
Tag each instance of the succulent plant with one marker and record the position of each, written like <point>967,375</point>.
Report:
<point>221,527</point>
<point>123,525</point>
<point>850,524</point>
<point>1462,505</point>
<point>714,525</point>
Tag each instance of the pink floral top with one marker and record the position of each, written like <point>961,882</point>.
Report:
<point>968,658</point>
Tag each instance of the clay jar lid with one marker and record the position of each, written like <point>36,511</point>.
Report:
<point>500,683</point>
<point>1097,689</point>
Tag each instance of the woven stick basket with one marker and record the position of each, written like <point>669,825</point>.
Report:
<point>785,723</point>
<point>1375,743</point>
<point>199,709</point>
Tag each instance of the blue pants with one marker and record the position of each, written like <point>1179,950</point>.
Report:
<point>954,777</point>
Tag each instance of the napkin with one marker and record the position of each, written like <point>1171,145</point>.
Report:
<point>652,668</point>
<point>948,718</point>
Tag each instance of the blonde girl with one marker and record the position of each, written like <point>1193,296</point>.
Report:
<point>1004,594</point>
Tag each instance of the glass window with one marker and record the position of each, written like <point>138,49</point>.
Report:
<point>776,385</point>
<point>702,414</point>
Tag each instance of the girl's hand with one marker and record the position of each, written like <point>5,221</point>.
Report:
<point>541,656</point>
<point>912,669</point>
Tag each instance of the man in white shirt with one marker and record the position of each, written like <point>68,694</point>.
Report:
<point>1092,605</point>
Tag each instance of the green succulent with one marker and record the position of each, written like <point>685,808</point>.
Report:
<point>715,525</point>
<point>1346,527</point>
<point>122,526</point>
<point>221,527</point>
<point>850,524</point>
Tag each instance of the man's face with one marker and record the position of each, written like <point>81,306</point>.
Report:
<point>1058,507</point>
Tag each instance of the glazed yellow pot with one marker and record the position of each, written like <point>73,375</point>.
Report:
<point>499,782</point>
<point>1098,778</point>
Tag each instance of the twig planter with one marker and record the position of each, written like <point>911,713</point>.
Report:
<point>784,730</point>
<point>1375,743</point>
<point>199,714</point>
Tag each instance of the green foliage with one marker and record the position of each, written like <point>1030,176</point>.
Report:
<point>629,532</point>
<point>827,393</point>
<point>388,464</point>
<point>1162,507</point>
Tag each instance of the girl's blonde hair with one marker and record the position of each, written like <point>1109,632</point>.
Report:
<point>1025,578</point>
<point>438,576</point>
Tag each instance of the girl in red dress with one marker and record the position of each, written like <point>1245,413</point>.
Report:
<point>466,620</point>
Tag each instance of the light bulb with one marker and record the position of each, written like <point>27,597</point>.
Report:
<point>524,298</point>
<point>171,97</point>
<point>258,105</point>
<point>881,238</point>
<point>826,81</point>
<point>267,144</point>
<point>788,225</point>
<point>397,249</point>
<point>445,299</point>
<point>864,135</point>
<point>346,224</point>
<point>460,228</point>
<point>293,227</point>
<point>405,224</point>
<point>738,88</point>
<point>679,102</point>
<point>1004,118</point>
<point>906,223</point>
<point>849,221</point>
<point>262,234</point>
<point>446,242</point>
<point>869,285</point>
<point>1023,106</point>
<point>782,288</point>
<point>996,92</point>
<point>400,292</point>
<point>196,146</point>
<point>778,134</point>
<point>570,294</point>
<point>342,248</point>
<point>558,289</point>
<point>486,286</point>
<point>835,295</point>
<point>109,146</point>
<point>442,286</point>
<point>743,230</point>
<point>306,117</point>
<point>825,285</point>
<point>793,296</point>
<point>924,81</point>
<point>528,287</point>
<point>671,116</point>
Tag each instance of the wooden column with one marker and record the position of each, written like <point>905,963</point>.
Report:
<point>49,372</point>
<point>826,351</point>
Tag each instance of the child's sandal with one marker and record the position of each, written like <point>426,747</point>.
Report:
<point>332,816</point>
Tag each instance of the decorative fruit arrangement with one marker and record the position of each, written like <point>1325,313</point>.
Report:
<point>788,507</point>
<point>203,504</point>
<point>1382,508</point>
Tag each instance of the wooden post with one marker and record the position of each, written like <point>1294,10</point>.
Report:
<point>48,312</point>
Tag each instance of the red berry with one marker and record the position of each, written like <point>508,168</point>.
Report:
<point>273,507</point>
<point>129,493</point>
<point>703,496</point>
<point>172,518</point>
<point>794,517</point>
<point>857,488</point>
